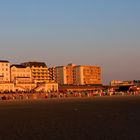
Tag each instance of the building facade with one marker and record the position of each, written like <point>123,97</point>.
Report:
<point>125,83</point>
<point>64,74</point>
<point>51,73</point>
<point>7,87</point>
<point>78,75</point>
<point>27,77</point>
<point>87,75</point>
<point>4,71</point>
<point>60,75</point>
<point>20,74</point>
<point>47,87</point>
<point>39,71</point>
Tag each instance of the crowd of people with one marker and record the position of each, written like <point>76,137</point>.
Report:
<point>49,95</point>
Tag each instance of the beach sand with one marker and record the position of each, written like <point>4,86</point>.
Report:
<point>99,118</point>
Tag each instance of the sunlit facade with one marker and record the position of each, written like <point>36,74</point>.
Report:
<point>47,87</point>
<point>4,71</point>
<point>78,75</point>
<point>64,74</point>
<point>20,74</point>
<point>39,71</point>
<point>29,76</point>
<point>36,76</point>
<point>61,75</point>
<point>51,73</point>
<point>87,75</point>
<point>124,83</point>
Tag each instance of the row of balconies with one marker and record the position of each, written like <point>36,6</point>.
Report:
<point>43,77</point>
<point>40,73</point>
<point>40,69</point>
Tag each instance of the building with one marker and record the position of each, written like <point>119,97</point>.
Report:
<point>27,77</point>
<point>47,87</point>
<point>7,87</point>
<point>78,75</point>
<point>39,71</point>
<point>60,75</point>
<point>64,74</point>
<point>70,74</point>
<point>125,83</point>
<point>4,71</point>
<point>87,75</point>
<point>51,74</point>
<point>20,74</point>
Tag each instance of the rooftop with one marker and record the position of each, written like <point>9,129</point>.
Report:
<point>4,61</point>
<point>18,66</point>
<point>35,64</point>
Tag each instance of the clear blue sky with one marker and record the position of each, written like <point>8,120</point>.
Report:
<point>92,32</point>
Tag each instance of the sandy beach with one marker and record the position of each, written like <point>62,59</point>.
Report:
<point>110,117</point>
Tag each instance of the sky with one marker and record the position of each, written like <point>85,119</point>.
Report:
<point>84,32</point>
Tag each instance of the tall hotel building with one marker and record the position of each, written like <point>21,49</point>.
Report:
<point>87,75</point>
<point>4,71</point>
<point>78,75</point>
<point>39,71</point>
<point>64,74</point>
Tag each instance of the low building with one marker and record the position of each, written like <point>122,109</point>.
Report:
<point>47,87</point>
<point>121,83</point>
<point>7,87</point>
<point>25,87</point>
